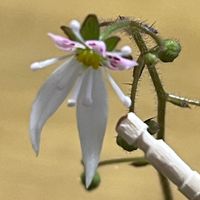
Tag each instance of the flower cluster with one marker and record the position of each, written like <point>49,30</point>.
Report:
<point>82,75</point>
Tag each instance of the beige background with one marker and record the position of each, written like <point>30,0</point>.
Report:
<point>54,175</point>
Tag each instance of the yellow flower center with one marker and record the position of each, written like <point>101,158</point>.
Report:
<point>89,58</point>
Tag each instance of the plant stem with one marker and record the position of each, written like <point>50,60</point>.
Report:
<point>136,77</point>
<point>162,98</point>
<point>127,24</point>
<point>137,72</point>
<point>165,187</point>
<point>136,160</point>
<point>182,101</point>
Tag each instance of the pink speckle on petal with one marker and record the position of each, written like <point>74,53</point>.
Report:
<point>119,63</point>
<point>64,43</point>
<point>98,46</point>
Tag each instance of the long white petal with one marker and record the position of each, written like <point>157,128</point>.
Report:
<point>46,63</point>
<point>87,100</point>
<point>72,101</point>
<point>92,123</point>
<point>50,96</point>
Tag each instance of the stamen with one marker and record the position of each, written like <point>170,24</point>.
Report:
<point>46,63</point>
<point>75,92</point>
<point>75,26</point>
<point>87,99</point>
<point>123,98</point>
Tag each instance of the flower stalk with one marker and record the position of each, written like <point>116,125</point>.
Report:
<point>160,109</point>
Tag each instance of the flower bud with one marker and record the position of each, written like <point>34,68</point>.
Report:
<point>153,126</point>
<point>150,59</point>
<point>122,143</point>
<point>95,181</point>
<point>170,50</point>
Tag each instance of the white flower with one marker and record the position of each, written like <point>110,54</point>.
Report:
<point>81,74</point>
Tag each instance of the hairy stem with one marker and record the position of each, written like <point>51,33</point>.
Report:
<point>137,72</point>
<point>136,77</point>
<point>127,24</point>
<point>161,96</point>
<point>182,101</point>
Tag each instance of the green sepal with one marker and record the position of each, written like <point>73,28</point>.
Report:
<point>95,181</point>
<point>90,28</point>
<point>122,143</point>
<point>69,33</point>
<point>112,42</point>
<point>153,126</point>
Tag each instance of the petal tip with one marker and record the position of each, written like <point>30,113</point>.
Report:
<point>51,35</point>
<point>126,50</point>
<point>75,24</point>
<point>71,103</point>
<point>90,169</point>
<point>35,140</point>
<point>127,101</point>
<point>34,66</point>
<point>88,180</point>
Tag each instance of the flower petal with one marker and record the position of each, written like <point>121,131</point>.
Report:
<point>98,46</point>
<point>123,98</point>
<point>116,62</point>
<point>92,123</point>
<point>50,96</point>
<point>65,43</point>
<point>75,91</point>
<point>46,63</point>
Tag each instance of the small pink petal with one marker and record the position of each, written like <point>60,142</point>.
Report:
<point>116,62</point>
<point>98,46</point>
<point>64,43</point>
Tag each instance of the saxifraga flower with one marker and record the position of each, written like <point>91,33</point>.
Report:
<point>82,75</point>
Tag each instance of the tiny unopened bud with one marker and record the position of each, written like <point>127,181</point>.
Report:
<point>95,181</point>
<point>150,59</point>
<point>153,126</point>
<point>170,50</point>
<point>122,143</point>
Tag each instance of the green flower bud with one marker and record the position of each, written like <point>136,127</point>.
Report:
<point>122,143</point>
<point>150,59</point>
<point>153,126</point>
<point>95,182</point>
<point>170,51</point>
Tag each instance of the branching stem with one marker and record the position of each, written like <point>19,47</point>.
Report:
<point>161,97</point>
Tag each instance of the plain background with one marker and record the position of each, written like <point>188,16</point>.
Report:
<point>54,175</point>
